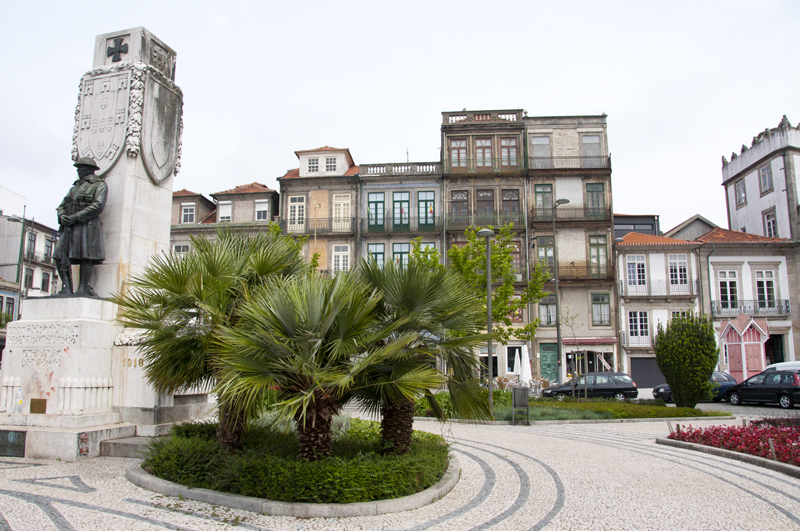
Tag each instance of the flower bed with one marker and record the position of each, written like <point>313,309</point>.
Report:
<point>753,440</point>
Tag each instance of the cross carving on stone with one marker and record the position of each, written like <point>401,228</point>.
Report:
<point>117,49</point>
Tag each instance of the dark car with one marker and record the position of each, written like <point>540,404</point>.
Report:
<point>771,387</point>
<point>720,380</point>
<point>599,385</point>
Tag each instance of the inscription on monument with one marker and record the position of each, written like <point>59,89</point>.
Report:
<point>40,357</point>
<point>42,334</point>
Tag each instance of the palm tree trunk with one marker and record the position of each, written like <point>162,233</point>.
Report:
<point>230,428</point>
<point>397,424</point>
<point>314,430</point>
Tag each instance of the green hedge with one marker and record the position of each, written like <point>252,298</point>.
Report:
<point>625,410</point>
<point>268,467</point>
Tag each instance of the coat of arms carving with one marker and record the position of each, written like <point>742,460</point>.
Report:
<point>161,123</point>
<point>103,118</point>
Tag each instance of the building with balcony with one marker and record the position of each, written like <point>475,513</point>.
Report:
<point>658,279</point>
<point>38,273</point>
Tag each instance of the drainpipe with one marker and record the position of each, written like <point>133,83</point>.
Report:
<point>527,259</point>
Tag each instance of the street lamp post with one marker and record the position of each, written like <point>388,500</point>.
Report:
<point>555,270</point>
<point>488,233</point>
<point>20,263</point>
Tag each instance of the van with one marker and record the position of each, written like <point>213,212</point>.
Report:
<point>784,366</point>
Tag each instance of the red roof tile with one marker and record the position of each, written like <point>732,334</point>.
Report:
<point>211,217</point>
<point>636,238</point>
<point>184,192</point>
<point>323,148</point>
<point>251,188</point>
<point>719,235</point>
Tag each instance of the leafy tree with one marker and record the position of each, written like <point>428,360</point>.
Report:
<point>469,261</point>
<point>5,318</point>
<point>427,256</point>
<point>686,352</point>
<point>435,304</point>
<point>182,303</point>
<point>313,338</point>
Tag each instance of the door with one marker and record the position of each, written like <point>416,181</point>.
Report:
<point>427,212</point>
<point>375,212</point>
<point>512,354</point>
<point>400,203</point>
<point>297,214</point>
<point>604,386</point>
<point>341,213</point>
<point>548,363</point>
<point>753,390</point>
<point>598,257</point>
<point>596,201</point>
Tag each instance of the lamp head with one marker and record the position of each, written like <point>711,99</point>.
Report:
<point>485,233</point>
<point>562,201</point>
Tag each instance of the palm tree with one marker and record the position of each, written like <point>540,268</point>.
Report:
<point>183,302</point>
<point>437,306</point>
<point>311,338</point>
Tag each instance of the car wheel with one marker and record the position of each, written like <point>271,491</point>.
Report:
<point>735,399</point>
<point>619,396</point>
<point>561,396</point>
<point>786,401</point>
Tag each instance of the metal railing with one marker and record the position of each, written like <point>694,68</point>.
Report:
<point>733,308</point>
<point>568,163</point>
<point>462,221</point>
<point>493,165</point>
<point>318,226</point>
<point>571,214</point>
<point>658,287</point>
<point>409,168</point>
<point>583,272</point>
<point>403,224</point>
<point>39,257</point>
<point>636,341</point>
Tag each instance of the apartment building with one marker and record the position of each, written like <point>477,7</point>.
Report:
<point>38,273</point>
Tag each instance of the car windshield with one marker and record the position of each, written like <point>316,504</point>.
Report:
<point>624,378</point>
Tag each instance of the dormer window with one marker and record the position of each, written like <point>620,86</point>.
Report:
<point>187,210</point>
<point>313,165</point>
<point>225,211</point>
<point>330,163</point>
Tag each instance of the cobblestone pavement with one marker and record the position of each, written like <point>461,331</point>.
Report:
<point>550,477</point>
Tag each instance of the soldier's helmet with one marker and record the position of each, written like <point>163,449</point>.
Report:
<point>86,161</point>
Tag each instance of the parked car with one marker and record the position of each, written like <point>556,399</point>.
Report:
<point>784,366</point>
<point>599,385</point>
<point>720,380</point>
<point>781,387</point>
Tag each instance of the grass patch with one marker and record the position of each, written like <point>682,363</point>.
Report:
<point>623,410</point>
<point>503,413</point>
<point>267,466</point>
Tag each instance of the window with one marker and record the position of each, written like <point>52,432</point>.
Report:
<point>31,244</point>
<point>508,152</point>
<point>598,257</point>
<point>741,194</point>
<point>426,211</point>
<point>647,226</point>
<point>458,153</point>
<point>680,313</point>
<point>547,310</point>
<point>28,277</point>
<point>400,253</point>
<point>770,224</point>
<point>483,152</point>
<point>341,213</point>
<point>180,249</point>
<point>725,354</point>
<point>638,328</point>
<point>400,205</point>
<point>540,151</point>
<point>637,273</point>
<point>341,258</point>
<point>313,165</point>
<point>376,250</point>
<point>545,246</point>
<point>262,210</point>
<point>459,207</point>
<point>10,305</point>
<point>45,282</point>
<point>330,163</point>
<point>765,179</point>
<point>678,273</point>
<point>596,201</point>
<point>765,289</point>
<point>375,211</point>
<point>48,250</point>
<point>511,207</point>
<point>187,212</point>
<point>590,151</point>
<point>225,212</point>
<point>516,260</point>
<point>544,201</point>
<point>601,309</point>
<point>297,213</point>
<point>727,290</point>
<point>517,316</point>
<point>485,204</point>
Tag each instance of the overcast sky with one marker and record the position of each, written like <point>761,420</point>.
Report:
<point>682,83</point>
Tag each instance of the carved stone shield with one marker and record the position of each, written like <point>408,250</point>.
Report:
<point>103,118</point>
<point>160,128</point>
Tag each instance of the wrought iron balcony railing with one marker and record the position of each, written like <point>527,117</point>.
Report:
<point>485,165</point>
<point>571,214</point>
<point>318,225</point>
<point>637,340</point>
<point>765,307</point>
<point>402,224</point>
<point>39,257</point>
<point>462,221</point>
<point>568,163</point>
<point>650,288</point>
<point>582,272</point>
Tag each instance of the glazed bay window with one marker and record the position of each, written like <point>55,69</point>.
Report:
<point>741,194</point>
<point>313,165</point>
<point>187,212</point>
<point>485,210</point>
<point>728,296</point>
<point>400,253</point>
<point>543,201</point>
<point>225,211</point>
<point>637,273</point>
<point>426,211</point>
<point>377,251</point>
<point>483,153</point>
<point>375,212</point>
<point>330,163</point>
<point>678,274</point>
<point>262,210</point>
<point>601,309</point>
<point>638,328</point>
<point>511,212</point>
<point>341,258</point>
<point>765,289</point>
<point>547,310</point>
<point>508,152</point>
<point>770,225</point>
<point>765,179</point>
<point>458,153</point>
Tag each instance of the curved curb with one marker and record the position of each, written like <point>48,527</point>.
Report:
<point>584,421</point>
<point>136,475</point>
<point>777,466</point>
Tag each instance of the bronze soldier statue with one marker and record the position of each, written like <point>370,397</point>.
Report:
<point>80,240</point>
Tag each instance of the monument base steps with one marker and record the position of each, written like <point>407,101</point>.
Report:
<point>60,421</point>
<point>71,444</point>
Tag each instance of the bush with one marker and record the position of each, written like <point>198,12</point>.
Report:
<point>753,440</point>
<point>624,410</point>
<point>268,466</point>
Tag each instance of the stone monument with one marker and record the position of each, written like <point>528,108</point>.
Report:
<point>80,374</point>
